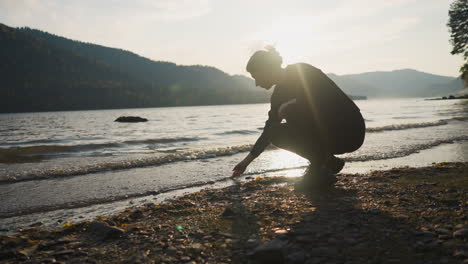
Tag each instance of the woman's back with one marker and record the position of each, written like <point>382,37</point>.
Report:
<point>318,97</point>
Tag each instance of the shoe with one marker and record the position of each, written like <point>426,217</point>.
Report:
<point>315,178</point>
<point>335,164</point>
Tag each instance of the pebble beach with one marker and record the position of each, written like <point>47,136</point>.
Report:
<point>404,215</point>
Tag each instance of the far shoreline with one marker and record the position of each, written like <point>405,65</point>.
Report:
<point>450,97</point>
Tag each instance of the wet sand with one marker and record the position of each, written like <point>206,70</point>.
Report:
<point>53,201</point>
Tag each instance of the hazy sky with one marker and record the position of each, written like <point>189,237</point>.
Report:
<point>339,36</point>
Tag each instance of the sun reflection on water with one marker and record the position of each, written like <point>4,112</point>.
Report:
<point>285,159</point>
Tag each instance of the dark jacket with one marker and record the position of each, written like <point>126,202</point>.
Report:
<point>320,106</point>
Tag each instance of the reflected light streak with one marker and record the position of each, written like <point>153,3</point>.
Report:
<point>286,159</point>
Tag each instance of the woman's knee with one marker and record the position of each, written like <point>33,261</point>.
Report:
<point>348,143</point>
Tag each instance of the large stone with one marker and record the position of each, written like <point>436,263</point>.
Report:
<point>461,233</point>
<point>103,231</point>
<point>461,254</point>
<point>229,212</point>
<point>271,253</point>
<point>130,119</point>
<point>329,252</point>
<point>297,257</point>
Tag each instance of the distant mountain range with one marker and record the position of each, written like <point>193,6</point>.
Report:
<point>398,83</point>
<point>44,72</point>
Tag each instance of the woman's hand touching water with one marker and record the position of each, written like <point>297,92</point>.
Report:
<point>242,166</point>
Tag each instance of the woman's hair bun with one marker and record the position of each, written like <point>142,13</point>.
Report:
<point>268,58</point>
<point>273,52</point>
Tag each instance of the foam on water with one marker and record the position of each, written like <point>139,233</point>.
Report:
<point>199,155</point>
<point>62,144</point>
<point>126,164</point>
<point>406,126</point>
<point>87,161</point>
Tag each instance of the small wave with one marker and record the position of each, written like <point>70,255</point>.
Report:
<point>128,164</point>
<point>32,142</point>
<point>162,140</point>
<point>50,149</point>
<point>460,118</point>
<point>405,117</point>
<point>36,153</point>
<point>241,132</point>
<point>174,150</point>
<point>198,155</point>
<point>406,126</point>
<point>403,152</point>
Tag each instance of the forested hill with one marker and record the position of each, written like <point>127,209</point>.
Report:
<point>156,72</point>
<point>37,76</point>
<point>44,72</point>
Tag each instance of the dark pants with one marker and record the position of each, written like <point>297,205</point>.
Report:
<point>318,145</point>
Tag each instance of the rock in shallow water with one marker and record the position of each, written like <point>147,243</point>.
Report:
<point>130,119</point>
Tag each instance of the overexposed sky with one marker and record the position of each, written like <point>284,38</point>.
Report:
<point>339,36</point>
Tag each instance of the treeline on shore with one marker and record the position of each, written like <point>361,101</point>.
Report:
<point>45,72</point>
<point>40,71</point>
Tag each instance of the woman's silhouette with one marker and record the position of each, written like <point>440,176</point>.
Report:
<point>321,120</point>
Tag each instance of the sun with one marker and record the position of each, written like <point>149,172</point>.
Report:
<point>291,36</point>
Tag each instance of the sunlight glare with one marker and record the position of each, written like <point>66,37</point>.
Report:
<point>286,159</point>
<point>292,37</point>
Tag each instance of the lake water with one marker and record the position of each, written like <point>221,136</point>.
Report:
<point>83,159</point>
<point>62,144</point>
